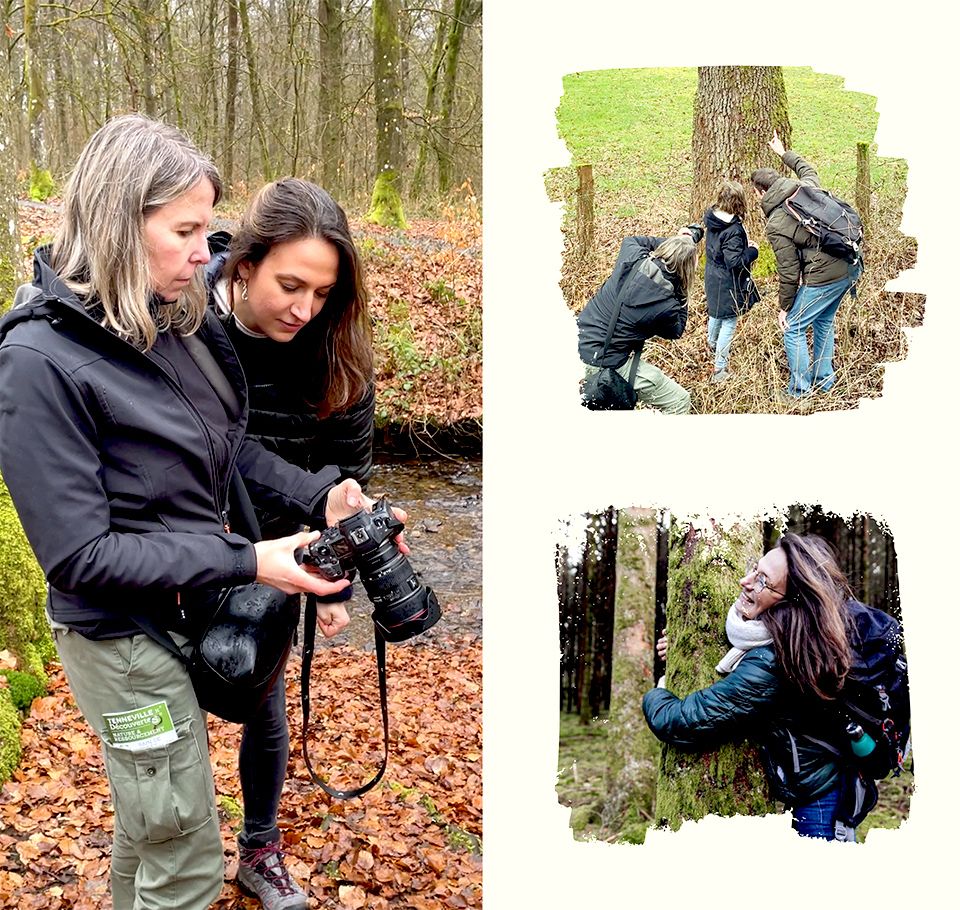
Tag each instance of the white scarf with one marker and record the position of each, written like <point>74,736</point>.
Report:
<point>743,634</point>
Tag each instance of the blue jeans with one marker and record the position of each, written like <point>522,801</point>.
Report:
<point>719,335</point>
<point>816,307</point>
<point>817,819</point>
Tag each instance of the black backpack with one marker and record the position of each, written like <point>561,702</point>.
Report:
<point>834,223</point>
<point>875,698</point>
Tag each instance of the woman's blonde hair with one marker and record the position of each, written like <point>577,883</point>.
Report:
<point>338,340</point>
<point>130,167</point>
<point>679,255</point>
<point>731,198</point>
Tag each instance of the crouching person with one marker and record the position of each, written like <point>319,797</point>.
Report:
<point>645,297</point>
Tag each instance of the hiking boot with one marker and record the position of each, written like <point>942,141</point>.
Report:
<point>263,875</point>
<point>720,376</point>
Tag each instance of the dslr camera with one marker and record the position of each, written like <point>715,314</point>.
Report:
<point>365,543</point>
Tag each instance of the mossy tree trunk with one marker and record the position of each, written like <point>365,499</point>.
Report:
<point>9,231</point>
<point>706,563</point>
<point>465,13</point>
<point>736,110</point>
<point>386,207</point>
<point>633,749</point>
<point>428,138</point>
<point>41,182</point>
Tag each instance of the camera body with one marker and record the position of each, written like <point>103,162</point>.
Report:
<point>696,232</point>
<point>365,543</point>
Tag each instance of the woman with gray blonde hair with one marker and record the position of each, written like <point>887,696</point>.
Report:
<point>647,292</point>
<point>122,418</point>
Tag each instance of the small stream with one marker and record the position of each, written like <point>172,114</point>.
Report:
<point>443,501</point>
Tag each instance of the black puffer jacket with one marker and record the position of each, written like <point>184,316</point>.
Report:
<point>653,306</point>
<point>113,469</point>
<point>755,702</point>
<point>283,417</point>
<point>726,280</point>
<point>798,257</point>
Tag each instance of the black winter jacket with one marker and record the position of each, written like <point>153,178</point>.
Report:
<point>726,280</point>
<point>113,470</point>
<point>755,702</point>
<point>282,416</point>
<point>653,306</point>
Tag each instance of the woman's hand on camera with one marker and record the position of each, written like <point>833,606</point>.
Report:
<point>277,566</point>
<point>332,618</point>
<point>346,499</point>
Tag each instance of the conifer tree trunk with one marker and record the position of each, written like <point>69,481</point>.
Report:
<point>705,567</point>
<point>633,751</point>
<point>736,110</point>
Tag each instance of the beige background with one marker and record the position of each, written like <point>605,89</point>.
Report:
<point>546,458</point>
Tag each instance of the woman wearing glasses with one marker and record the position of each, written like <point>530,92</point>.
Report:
<point>790,657</point>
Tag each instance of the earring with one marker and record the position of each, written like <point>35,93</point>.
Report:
<point>243,289</point>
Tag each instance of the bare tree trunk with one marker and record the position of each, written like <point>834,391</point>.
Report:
<point>736,110</point>
<point>255,110</point>
<point>386,206</point>
<point>464,13</point>
<point>428,139</point>
<point>705,565</point>
<point>41,183</point>
<point>9,232</point>
<point>330,121</point>
<point>148,81</point>
<point>230,98</point>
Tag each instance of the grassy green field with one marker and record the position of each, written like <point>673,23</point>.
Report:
<point>635,128</point>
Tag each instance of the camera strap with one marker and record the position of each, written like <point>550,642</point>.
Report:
<point>309,638</point>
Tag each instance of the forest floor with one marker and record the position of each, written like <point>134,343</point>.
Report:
<point>425,299</point>
<point>634,127</point>
<point>582,783</point>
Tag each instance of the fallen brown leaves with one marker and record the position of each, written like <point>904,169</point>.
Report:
<point>412,842</point>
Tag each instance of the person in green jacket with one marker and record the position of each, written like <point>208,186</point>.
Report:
<point>812,282</point>
<point>779,693</point>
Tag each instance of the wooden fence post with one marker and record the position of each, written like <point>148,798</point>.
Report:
<point>585,208</point>
<point>863,183</point>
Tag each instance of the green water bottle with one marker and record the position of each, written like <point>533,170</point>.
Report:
<point>860,742</point>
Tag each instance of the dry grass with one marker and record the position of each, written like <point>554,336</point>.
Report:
<point>869,329</point>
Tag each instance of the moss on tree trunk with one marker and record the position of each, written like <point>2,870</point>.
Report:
<point>386,208</point>
<point>736,110</point>
<point>706,563</point>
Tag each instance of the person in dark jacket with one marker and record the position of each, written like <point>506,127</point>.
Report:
<point>812,282</point>
<point>726,279</point>
<point>779,693</point>
<point>289,290</point>
<point>652,279</point>
<point>122,417</point>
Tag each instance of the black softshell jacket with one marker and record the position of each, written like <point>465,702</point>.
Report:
<point>112,470</point>
<point>652,305</point>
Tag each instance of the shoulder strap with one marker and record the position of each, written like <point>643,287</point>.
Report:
<point>215,376</point>
<point>309,638</point>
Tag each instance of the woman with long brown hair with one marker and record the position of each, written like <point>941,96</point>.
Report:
<point>782,685</point>
<point>288,288</point>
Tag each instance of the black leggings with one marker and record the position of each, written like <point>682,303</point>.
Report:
<point>264,750</point>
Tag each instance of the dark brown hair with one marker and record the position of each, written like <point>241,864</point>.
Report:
<point>763,178</point>
<point>731,198</point>
<point>809,626</point>
<point>291,209</point>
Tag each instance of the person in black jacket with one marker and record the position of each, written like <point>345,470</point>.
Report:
<point>122,418</point>
<point>780,694</point>
<point>726,279</point>
<point>651,279</point>
<point>289,290</point>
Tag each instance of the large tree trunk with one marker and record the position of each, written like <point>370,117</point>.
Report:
<point>633,750</point>
<point>705,566</point>
<point>736,111</point>
<point>386,206</point>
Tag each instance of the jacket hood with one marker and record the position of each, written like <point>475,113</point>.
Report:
<point>779,190</point>
<point>713,223</point>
